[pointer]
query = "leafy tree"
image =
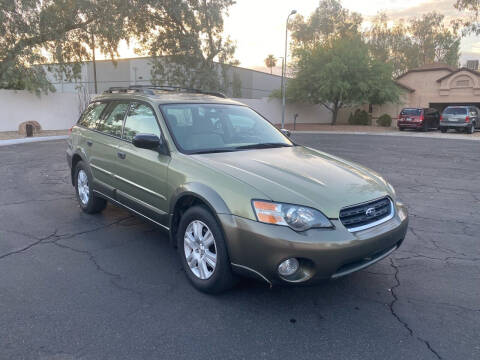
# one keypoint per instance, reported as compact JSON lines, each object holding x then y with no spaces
{"x":65,"y":32}
{"x":184,"y":50}
{"x":341,"y":73}
{"x":57,"y":31}
{"x":329,"y":20}
{"x":470,"y":20}
{"x":270,"y":62}
{"x":415,"y":43}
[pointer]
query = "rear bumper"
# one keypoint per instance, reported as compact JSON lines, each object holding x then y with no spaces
{"x":258,"y":248}
{"x":454,"y":125}
{"x":410,"y":124}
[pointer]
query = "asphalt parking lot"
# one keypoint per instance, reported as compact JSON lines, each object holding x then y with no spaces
{"x":74,"y":286}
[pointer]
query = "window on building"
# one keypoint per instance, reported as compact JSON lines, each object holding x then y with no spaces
{"x":462,"y":83}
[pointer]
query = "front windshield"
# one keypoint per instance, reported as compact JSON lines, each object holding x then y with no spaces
{"x":203,"y":128}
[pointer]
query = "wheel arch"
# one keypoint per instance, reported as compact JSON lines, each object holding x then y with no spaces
{"x":76,"y":158}
{"x":192,"y":194}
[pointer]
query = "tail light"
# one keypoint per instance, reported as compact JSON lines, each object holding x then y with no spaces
{"x":467,"y":119}
{"x":421,"y":117}
{"x":70,"y":131}
{"x":441,"y":117}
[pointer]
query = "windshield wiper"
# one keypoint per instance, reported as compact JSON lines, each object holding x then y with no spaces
{"x":263,"y":146}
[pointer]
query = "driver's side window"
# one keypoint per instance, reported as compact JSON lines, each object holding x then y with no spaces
{"x":140,"y":120}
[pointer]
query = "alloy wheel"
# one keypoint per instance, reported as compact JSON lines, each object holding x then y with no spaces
{"x":200,"y":249}
{"x":83,"y":188}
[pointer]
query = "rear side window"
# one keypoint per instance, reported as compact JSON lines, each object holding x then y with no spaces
{"x":411,"y":112}
{"x":140,"y":120}
{"x":112,"y":124}
{"x":91,"y":115}
{"x":455,"y":111}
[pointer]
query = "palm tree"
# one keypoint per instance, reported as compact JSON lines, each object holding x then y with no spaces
{"x":270,"y":62}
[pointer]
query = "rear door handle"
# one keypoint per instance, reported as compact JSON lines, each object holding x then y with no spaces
{"x":89,"y":143}
{"x":121,"y":155}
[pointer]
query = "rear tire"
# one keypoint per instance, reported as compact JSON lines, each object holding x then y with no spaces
{"x":401,"y":128}
{"x":203,"y":251}
{"x":471,"y":128}
{"x":89,"y":202}
{"x":443,"y":129}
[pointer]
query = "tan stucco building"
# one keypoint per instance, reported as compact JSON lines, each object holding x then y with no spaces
{"x":435,"y":85}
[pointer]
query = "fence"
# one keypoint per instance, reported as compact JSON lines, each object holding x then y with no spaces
{"x":59,"y":111}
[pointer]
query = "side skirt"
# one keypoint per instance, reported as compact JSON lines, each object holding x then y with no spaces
{"x":115,"y":202}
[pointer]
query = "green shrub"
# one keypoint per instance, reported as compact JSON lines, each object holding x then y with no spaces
{"x":360,"y":117}
{"x":384,"y":120}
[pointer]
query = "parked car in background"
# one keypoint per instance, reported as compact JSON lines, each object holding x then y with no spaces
{"x":422,"y":119}
{"x":460,"y":118}
{"x":236,"y":195}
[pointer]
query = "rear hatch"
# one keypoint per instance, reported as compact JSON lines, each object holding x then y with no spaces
{"x":454,"y":115}
{"x":410,"y":116}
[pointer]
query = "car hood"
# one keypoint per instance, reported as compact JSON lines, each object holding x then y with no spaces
{"x":299,"y":175}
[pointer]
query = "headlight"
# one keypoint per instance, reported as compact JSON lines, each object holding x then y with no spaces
{"x":392,"y":190}
{"x":299,"y":218}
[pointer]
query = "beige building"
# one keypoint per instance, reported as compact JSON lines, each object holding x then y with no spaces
{"x":435,"y":85}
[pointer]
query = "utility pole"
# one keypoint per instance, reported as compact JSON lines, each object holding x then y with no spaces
{"x":284,"y":69}
{"x":92,"y":46}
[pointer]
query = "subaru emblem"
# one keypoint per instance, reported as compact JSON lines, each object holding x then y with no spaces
{"x":370,"y":212}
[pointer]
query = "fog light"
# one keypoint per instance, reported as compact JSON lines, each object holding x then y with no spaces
{"x":288,"y":267}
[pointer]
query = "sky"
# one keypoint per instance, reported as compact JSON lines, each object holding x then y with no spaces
{"x":258,"y":26}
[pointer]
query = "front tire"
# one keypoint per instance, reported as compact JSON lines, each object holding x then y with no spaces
{"x":443,"y":129}
{"x":471,"y":129}
{"x":203,"y":251}
{"x":89,"y":202}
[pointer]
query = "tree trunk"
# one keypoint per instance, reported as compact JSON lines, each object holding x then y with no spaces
{"x":334,"y":115}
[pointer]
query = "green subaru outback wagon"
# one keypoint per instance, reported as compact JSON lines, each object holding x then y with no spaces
{"x":236,"y":195}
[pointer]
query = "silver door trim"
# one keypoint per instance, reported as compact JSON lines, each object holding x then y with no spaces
{"x":139,"y":186}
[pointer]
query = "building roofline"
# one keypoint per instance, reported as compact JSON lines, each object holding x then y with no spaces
{"x":408,"y":88}
{"x":476,"y":73}
{"x":149,"y":57}
{"x":425,"y":69}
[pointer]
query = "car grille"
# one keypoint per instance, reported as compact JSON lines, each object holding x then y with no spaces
{"x":363,"y":216}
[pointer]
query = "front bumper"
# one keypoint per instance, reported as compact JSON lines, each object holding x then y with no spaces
{"x":256,"y":248}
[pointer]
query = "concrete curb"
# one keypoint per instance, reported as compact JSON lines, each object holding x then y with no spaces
{"x":32,"y":139}
{"x":450,"y":136}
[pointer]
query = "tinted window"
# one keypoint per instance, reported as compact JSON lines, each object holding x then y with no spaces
{"x":215,"y":127}
{"x":113,"y":123}
{"x":411,"y":112}
{"x":455,"y":111}
{"x":91,"y":115}
{"x":140,"y":120}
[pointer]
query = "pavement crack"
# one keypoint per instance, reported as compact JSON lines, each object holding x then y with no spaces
{"x":114,"y":277}
{"x":397,"y":316}
{"x":28,"y":247}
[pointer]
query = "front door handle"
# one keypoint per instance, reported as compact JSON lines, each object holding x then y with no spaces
{"x":89,"y":143}
{"x":121,"y":155}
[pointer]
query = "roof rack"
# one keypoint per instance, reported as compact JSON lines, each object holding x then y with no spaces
{"x":152,"y":90}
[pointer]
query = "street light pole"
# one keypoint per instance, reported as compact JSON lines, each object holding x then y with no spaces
{"x":284,"y":69}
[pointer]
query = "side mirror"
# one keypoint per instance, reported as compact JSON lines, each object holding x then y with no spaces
{"x":146,"y":141}
{"x":286,"y":132}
